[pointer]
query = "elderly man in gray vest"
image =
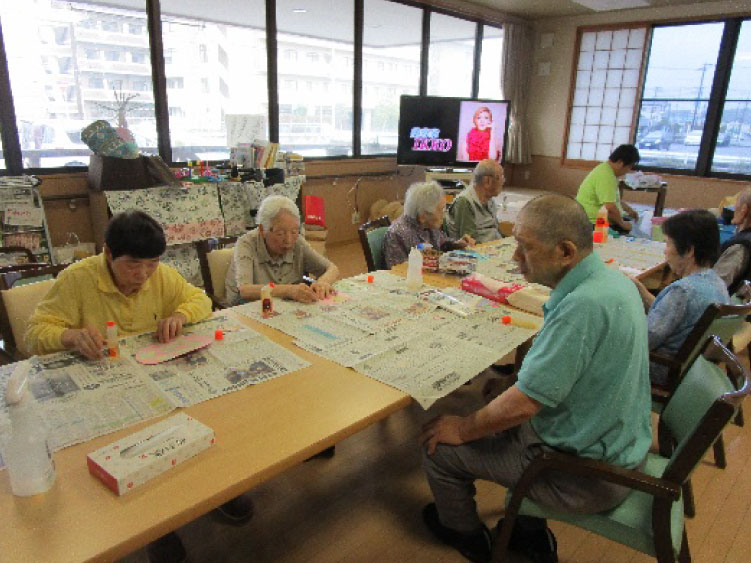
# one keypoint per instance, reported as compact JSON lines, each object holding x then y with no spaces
{"x":474,"y":212}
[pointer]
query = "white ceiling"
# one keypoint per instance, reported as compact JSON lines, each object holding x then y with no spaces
{"x":538,"y":9}
{"x":333,"y":19}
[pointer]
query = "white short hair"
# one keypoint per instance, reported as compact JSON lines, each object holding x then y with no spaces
{"x":272,"y":206}
{"x":422,"y":197}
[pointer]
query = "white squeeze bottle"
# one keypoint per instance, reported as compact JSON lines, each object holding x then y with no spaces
{"x":414,"y":270}
{"x":27,"y":454}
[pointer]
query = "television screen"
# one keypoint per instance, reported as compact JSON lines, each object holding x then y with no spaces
{"x":436,"y":131}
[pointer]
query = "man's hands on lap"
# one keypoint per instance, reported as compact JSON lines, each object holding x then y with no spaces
{"x":446,"y":429}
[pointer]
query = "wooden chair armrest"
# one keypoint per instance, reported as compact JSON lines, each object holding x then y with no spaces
{"x":663,"y":360}
{"x":595,"y":469}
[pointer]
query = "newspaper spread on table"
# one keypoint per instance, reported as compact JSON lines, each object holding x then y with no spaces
{"x":423,"y":345}
{"x":632,"y":255}
{"x":82,"y":399}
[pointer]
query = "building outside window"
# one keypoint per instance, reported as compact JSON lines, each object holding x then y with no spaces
{"x":391,"y":37}
{"x":53,"y":102}
{"x":452,"y":46}
{"x":316,"y":124}
{"x":490,"y":63}
{"x":238,"y":73}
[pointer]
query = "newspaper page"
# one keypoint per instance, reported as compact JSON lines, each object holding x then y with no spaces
{"x":355,"y":351}
{"x":632,"y":255}
{"x":428,"y":368}
{"x":244,"y":358}
{"x":82,"y":399}
{"x":499,"y":264}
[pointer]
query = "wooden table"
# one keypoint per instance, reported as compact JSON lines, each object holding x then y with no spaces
{"x":261,"y":431}
{"x":661,"y":191}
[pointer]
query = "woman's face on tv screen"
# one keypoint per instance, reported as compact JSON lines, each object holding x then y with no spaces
{"x":483,"y":120}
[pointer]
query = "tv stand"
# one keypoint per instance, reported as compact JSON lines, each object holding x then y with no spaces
{"x":450,"y":178}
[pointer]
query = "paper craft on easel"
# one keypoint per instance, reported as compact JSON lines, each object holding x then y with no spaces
{"x":163,"y":352}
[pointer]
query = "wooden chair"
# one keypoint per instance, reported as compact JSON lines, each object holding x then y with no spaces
{"x":371,"y":238}
{"x":20,"y":293}
{"x":22,"y":266}
{"x":27,"y":254}
{"x":650,"y":519}
{"x":214,"y":257}
{"x":722,"y":321}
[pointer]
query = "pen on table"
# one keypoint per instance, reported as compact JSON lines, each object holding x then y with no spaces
{"x":145,"y":444}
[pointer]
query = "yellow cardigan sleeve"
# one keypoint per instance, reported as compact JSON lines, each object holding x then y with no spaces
{"x":186,"y":298}
{"x":57,"y":312}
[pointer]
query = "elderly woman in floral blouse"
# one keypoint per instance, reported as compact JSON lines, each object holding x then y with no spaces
{"x":424,"y":207}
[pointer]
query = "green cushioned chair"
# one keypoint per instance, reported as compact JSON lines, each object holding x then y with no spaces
{"x":723,"y":321}
{"x":650,"y":519}
{"x":371,"y":238}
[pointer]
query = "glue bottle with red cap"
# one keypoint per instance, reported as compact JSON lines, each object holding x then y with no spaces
{"x":601,"y":226}
{"x":267,"y":303}
{"x":113,"y":342}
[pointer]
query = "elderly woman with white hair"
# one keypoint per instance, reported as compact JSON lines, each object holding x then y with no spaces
{"x":424,"y":207}
{"x":275,"y":252}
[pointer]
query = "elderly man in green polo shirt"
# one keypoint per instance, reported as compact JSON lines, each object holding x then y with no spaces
{"x":474,"y":212}
{"x":583,"y":388}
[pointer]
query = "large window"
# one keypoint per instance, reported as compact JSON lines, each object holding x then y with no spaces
{"x":73,"y":62}
{"x":490,"y":63}
{"x":316,"y":73}
{"x":452,"y":51}
{"x":67,"y":66}
{"x":214,"y":70}
{"x":676,"y":92}
{"x":391,"y":67}
{"x":733,"y":149}
{"x":688,"y":113}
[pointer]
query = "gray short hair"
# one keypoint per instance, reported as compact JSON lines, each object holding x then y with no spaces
{"x":484,"y":168}
{"x":555,"y":218}
{"x":272,"y":206}
{"x":422,"y":197}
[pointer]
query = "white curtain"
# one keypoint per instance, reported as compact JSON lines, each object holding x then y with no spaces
{"x":516,"y":68}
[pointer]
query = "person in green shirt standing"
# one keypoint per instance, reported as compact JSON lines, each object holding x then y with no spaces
{"x":600,"y":187}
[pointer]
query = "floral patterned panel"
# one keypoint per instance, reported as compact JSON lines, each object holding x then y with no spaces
{"x":235,"y":208}
{"x":254,"y":192}
{"x":184,"y":259}
{"x":32,"y":241}
{"x":186,"y":214}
